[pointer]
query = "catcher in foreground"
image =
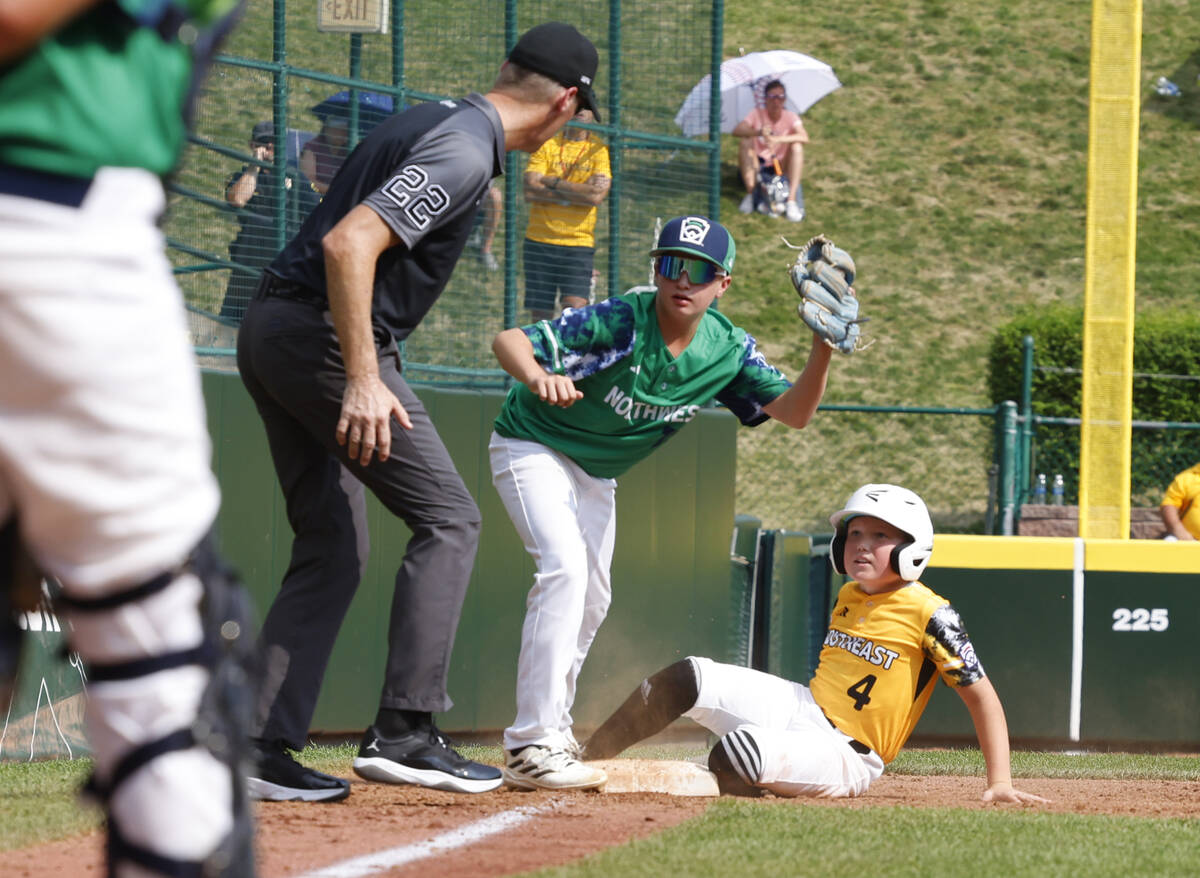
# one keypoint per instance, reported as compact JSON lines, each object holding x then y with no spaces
{"x":823,"y":275}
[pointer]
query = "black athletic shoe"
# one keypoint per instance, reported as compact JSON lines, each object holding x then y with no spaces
{"x":277,"y":777}
{"x":423,"y":757}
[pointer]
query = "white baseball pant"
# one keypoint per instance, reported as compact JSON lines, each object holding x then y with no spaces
{"x":795,"y":750}
{"x":567,"y":520}
{"x":104,"y":457}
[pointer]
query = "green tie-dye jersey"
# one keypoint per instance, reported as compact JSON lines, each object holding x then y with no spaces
{"x":636,"y":395}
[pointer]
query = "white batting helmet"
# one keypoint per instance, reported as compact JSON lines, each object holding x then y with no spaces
{"x":900,"y":508}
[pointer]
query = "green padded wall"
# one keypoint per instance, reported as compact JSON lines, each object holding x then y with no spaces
{"x":671,"y":574}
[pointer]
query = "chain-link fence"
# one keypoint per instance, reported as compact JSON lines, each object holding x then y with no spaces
{"x":318,"y":93}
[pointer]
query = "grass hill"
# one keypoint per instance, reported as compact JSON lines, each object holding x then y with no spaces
{"x":953,"y":166}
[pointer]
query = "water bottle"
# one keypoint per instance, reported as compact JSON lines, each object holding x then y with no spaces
{"x":1039,"y":489}
{"x":1166,"y":88}
{"x":1058,"y":489}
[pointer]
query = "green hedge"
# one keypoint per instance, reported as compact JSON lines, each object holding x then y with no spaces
{"x":1166,"y":387}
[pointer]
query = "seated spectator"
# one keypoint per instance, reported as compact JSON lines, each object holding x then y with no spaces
{"x":769,"y":135}
{"x":1180,"y":511}
{"x":323,"y":155}
{"x":254,"y":193}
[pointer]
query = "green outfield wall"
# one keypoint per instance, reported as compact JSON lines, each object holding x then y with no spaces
{"x":671,"y":580}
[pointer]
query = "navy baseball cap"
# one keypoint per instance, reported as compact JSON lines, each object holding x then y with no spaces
{"x":561,"y":52}
{"x":698,"y":236}
{"x":264,"y":132}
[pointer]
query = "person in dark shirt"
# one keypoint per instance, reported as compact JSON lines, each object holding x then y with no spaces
{"x":254,"y":193}
{"x":318,"y":353}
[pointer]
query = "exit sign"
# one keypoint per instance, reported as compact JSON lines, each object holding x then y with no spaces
{"x":352,"y":16}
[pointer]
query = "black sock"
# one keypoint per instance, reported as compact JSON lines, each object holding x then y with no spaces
{"x":392,"y":722}
{"x":651,"y":707}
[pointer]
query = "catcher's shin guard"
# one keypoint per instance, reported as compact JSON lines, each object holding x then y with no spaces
{"x":170,"y":673}
{"x":737,"y":763}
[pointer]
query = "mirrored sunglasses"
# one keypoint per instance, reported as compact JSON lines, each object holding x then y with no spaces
{"x":699,"y":271}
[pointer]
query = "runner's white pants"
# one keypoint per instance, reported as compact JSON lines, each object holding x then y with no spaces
{"x":799,"y":752}
{"x":567,"y":520}
{"x":104,"y":457}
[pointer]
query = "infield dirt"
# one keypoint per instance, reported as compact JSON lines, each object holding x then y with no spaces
{"x":296,"y":838}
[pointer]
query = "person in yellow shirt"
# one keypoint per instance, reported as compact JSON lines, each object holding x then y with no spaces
{"x":889,"y":639}
{"x":1179,"y":510}
{"x":565,"y":182}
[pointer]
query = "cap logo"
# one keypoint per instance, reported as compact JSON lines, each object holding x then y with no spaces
{"x":586,"y":80}
{"x":693,"y":230}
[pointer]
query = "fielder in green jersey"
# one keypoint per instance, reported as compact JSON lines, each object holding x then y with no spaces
{"x":601,"y":388}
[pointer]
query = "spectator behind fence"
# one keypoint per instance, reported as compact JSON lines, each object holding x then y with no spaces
{"x":1180,"y":511}
{"x":565,"y":181}
{"x":323,"y":155}
{"x":771,"y":135}
{"x":254,"y":193}
{"x":483,"y":235}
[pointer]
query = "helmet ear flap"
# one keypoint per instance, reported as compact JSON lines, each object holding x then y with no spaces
{"x":899,"y":557}
{"x":837,"y":548}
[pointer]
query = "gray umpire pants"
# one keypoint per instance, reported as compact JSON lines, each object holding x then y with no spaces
{"x":290,"y":362}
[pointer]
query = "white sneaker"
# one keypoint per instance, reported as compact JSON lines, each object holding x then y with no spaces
{"x":490,"y":262}
{"x":747,"y":205}
{"x":794,"y":212}
{"x":549,"y":768}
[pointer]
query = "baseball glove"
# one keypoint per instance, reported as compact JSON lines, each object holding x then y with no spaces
{"x":823,"y":275}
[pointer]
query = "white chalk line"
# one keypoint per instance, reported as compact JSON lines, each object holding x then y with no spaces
{"x":381,"y":861}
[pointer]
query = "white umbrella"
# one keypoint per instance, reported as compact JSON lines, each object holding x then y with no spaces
{"x":743,"y":80}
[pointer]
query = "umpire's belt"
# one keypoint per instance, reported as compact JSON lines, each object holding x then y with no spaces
{"x":44,"y":186}
{"x":272,"y":287}
{"x":856,"y":746}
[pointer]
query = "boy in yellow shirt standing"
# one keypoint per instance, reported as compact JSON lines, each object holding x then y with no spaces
{"x":889,"y":638}
{"x":566,"y":180}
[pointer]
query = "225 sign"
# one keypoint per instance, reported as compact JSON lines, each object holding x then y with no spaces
{"x":1140,"y":619}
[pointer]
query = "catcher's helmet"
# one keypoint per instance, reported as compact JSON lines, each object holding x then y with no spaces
{"x":900,"y":508}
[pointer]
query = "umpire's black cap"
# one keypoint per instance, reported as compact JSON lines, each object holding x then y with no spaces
{"x":561,"y":52}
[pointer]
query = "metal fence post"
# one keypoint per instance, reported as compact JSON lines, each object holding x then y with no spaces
{"x":1025,"y":449}
{"x":1008,"y":443}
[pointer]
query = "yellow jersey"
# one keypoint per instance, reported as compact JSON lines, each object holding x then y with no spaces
{"x":1183,"y":493}
{"x":575,"y":161}
{"x":880,"y":660}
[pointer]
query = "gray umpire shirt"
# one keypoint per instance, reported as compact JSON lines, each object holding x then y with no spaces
{"x":425,"y":172}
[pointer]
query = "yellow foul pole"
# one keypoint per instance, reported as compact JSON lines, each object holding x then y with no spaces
{"x":1114,"y":110}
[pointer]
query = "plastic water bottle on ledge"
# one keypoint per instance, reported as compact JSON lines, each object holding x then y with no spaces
{"x":1058,"y":489}
{"x":1039,"y":489}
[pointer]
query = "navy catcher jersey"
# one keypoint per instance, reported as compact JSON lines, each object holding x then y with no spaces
{"x":424,"y":172}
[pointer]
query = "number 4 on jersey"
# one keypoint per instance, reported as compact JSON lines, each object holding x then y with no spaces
{"x":861,"y":691}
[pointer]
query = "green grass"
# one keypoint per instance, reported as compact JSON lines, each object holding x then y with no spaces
{"x":787,"y":838}
{"x":39,"y":803}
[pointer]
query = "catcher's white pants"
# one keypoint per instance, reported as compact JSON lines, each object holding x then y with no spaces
{"x":104,"y":457}
{"x":567,"y":520}
{"x":799,"y":752}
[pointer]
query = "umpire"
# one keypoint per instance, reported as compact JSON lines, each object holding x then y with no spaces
{"x":318,"y":354}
